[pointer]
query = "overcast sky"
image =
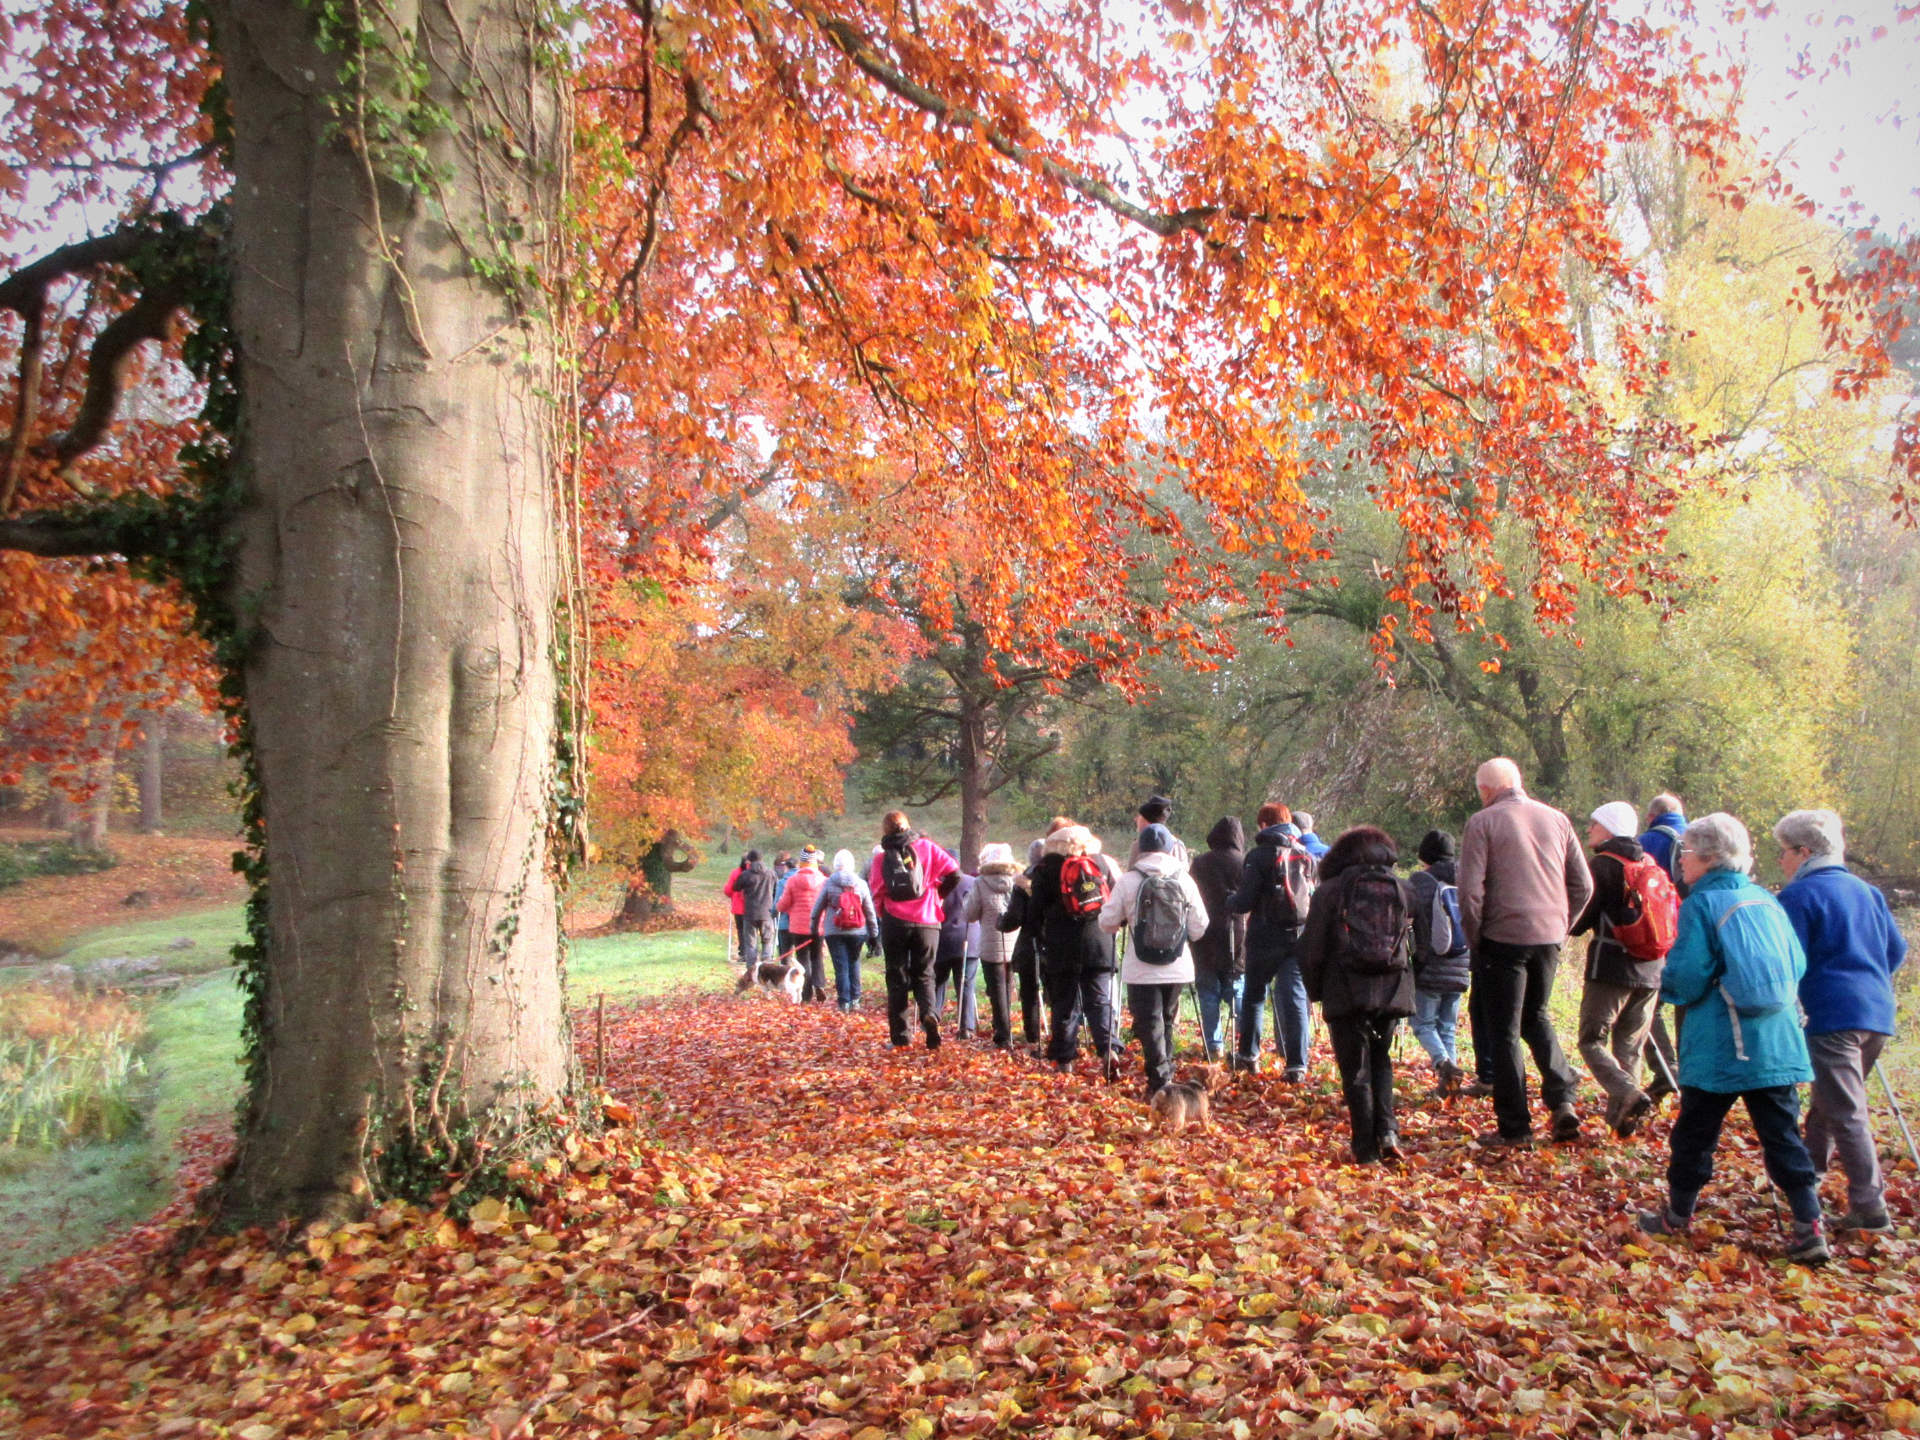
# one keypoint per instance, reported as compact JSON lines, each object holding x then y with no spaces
{"x":1835,"y":84}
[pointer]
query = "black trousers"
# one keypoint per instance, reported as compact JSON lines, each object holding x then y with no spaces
{"x":1155,"y":1010}
{"x":812,"y":953}
{"x":1000,"y":1001}
{"x":1363,"y":1049}
{"x":1026,"y":966}
{"x":1775,"y":1112}
{"x":909,"y":951}
{"x":1075,"y":995}
{"x":1514,"y":983}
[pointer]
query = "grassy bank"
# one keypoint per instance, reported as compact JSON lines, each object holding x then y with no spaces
{"x":55,"y":1202}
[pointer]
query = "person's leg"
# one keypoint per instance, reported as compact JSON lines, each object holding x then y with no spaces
{"x":945,"y":969}
{"x":843,"y":948}
{"x":1484,"y":1044}
{"x":1426,"y":1025}
{"x":1261,"y":968}
{"x":1000,"y":1002}
{"x":1386,"y":1133}
{"x":1348,"y":1037}
{"x":1146,"y":1005}
{"x":1026,"y":966}
{"x":1446,"y":1024}
{"x":1696,"y":1134}
{"x":1291,"y":1012}
{"x":1838,"y":1123}
{"x":1500,"y":982}
{"x":1063,"y":1003}
{"x":1775,"y":1112}
{"x":1557,"y":1082}
{"x":1096,"y":1003}
{"x":816,"y":968}
{"x":1601,"y":1006}
{"x":895,"y":939}
{"x":1209,"y":989}
{"x":923,"y":946}
{"x":1661,"y":1058}
{"x":1630,"y":1029}
{"x":969,"y":995}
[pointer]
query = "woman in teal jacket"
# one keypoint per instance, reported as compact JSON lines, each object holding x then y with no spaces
{"x":1732,"y":973}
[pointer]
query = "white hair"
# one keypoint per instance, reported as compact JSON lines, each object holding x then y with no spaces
{"x":1497,"y":774}
{"x":1720,"y":842}
{"x":1303,"y":820}
{"x":1815,"y":831}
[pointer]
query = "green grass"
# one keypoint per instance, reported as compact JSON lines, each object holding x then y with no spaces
{"x":55,"y":1203}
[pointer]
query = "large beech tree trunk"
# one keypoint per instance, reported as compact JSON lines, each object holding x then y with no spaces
{"x":398,"y":560}
{"x":153,"y":771}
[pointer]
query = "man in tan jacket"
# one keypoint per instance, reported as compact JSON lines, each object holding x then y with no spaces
{"x":1523,"y":877}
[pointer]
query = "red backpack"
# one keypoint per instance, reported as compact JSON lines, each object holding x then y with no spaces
{"x":1652,"y":910}
{"x":1083,"y":886}
{"x":849,"y":910}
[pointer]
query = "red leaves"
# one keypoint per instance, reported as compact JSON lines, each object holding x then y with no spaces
{"x":808,"y":1230}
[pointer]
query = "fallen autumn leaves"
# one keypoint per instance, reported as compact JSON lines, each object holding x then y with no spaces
{"x":803,"y":1234}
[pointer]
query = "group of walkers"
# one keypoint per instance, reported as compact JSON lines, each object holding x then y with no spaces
{"x":1670,"y":910}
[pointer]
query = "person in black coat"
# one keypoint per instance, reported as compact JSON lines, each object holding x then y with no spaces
{"x":1440,"y":972}
{"x":1076,"y":959}
{"x":1273,"y":943}
{"x":1220,"y":955}
{"x":1022,"y":917}
{"x":1357,"y":961}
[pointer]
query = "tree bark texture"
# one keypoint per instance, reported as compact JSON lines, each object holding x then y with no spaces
{"x":153,"y":772}
{"x":650,"y":891}
{"x":975,"y":757}
{"x":398,"y":562}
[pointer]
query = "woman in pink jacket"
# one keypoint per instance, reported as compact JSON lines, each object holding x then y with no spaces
{"x":796,"y":903}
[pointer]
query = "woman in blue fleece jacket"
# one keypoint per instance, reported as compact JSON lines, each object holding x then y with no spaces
{"x":1724,"y":1056}
{"x":1853,"y":947}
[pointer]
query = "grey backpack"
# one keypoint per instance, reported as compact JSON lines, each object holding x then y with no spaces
{"x":1160,"y":919}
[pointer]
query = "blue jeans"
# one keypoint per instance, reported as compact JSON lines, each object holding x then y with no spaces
{"x":1219,"y":998}
{"x":1435,"y":1018}
{"x":964,"y":974}
{"x":1277,"y":966}
{"x":845,"y":950}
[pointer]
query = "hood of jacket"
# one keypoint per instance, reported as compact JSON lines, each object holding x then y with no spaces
{"x":1072,"y":840}
{"x":1447,"y":872}
{"x":1158,"y":862}
{"x":1621,"y":847}
{"x":1227,"y":834}
{"x":997,"y":881}
{"x":1274,"y":834}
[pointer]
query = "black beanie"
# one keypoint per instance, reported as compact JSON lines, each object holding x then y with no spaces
{"x":1435,"y":845}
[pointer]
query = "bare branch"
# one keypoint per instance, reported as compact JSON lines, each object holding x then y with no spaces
{"x":60,"y":536}
{"x":855,"y":45}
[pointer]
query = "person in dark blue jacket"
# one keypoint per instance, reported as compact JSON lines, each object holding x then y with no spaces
{"x":1853,"y":947}
{"x":1730,"y":926}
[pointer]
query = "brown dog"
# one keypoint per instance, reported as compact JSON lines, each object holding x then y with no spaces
{"x":1183,"y":1103}
{"x":786,"y":977}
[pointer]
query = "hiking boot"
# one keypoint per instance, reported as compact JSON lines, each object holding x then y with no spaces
{"x":1390,"y":1150}
{"x":1246,"y":1063}
{"x":1659,"y":1089}
{"x":1662,"y":1221}
{"x":1566,"y":1125}
{"x":1806,"y":1245}
{"x":1864,"y":1222}
{"x":1632,"y":1114}
{"x":1293,"y":1076}
{"x":1449,"y":1075}
{"x":1477,"y":1089}
{"x":1494,"y":1140}
{"x":1110,"y":1067}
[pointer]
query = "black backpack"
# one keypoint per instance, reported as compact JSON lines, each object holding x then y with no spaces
{"x":1159,"y":919}
{"x":1374,"y":932}
{"x":900,"y":870}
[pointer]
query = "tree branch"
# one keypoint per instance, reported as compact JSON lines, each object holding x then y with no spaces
{"x":857,"y":47}
{"x":62,"y":536}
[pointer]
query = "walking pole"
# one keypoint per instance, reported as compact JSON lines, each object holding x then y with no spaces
{"x":1200,"y":1019}
{"x":1894,"y":1105}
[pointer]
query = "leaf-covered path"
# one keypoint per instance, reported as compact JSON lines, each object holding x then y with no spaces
{"x":803,"y":1233}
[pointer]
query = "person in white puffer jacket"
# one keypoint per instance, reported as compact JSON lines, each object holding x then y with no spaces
{"x":1159,"y":901}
